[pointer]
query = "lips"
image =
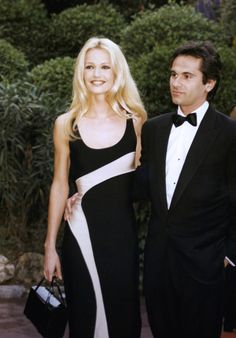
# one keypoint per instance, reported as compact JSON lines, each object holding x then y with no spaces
{"x":176,"y":93}
{"x":97,"y":82}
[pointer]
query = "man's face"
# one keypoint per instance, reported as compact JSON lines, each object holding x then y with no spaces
{"x":186,"y":83}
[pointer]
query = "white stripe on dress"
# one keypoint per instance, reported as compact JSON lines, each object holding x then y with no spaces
{"x":79,"y":228}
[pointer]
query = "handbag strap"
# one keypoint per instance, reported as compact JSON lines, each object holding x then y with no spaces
{"x":39,"y":283}
{"x":54,"y":283}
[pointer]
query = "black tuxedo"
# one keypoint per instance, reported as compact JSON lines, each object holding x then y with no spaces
{"x":187,"y":243}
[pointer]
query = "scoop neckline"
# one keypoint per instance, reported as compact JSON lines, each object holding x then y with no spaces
{"x":109,"y":147}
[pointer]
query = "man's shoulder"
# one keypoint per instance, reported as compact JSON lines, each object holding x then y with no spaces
{"x":162,"y":118}
{"x":226,"y":124}
{"x":225,"y":119}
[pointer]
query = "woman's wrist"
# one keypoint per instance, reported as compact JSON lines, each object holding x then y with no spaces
{"x":49,"y":245}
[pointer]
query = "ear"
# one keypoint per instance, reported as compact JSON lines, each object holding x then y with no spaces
{"x":210,"y":85}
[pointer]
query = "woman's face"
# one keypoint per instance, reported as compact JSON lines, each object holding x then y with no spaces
{"x":98,"y":73}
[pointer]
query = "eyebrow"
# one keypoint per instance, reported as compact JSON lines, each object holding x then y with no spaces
{"x":184,"y":73}
{"x":103,"y":63}
{"x":188,"y":73}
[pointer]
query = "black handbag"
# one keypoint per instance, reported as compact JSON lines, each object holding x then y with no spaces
{"x":46,"y":309}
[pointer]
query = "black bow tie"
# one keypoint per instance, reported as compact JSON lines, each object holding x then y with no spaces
{"x":179,"y":119}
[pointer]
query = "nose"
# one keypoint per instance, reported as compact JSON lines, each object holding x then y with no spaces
{"x":175,"y":81}
{"x":97,"y":72}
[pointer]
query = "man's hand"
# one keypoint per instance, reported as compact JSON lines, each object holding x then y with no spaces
{"x":226,"y":262}
{"x":69,"y":206}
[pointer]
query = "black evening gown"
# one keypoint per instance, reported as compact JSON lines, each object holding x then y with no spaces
{"x":100,"y":248}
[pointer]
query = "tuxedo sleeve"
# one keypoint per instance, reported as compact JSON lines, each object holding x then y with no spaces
{"x":141,"y":172}
{"x":231,"y":172}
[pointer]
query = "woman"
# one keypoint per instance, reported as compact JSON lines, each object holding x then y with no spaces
{"x":96,"y":148}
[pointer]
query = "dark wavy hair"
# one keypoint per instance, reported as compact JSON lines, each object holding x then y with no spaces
{"x":211,"y":63}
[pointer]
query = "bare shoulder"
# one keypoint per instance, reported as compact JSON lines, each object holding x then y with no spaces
{"x":61,"y":120}
{"x":60,"y":127}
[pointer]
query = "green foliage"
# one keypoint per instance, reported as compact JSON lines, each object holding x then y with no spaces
{"x":225,"y":97}
{"x":228,"y":15}
{"x":71,"y":28}
{"x":168,"y":26}
{"x":55,"y":77}
{"x":12,"y":62}
{"x":26,"y":119}
{"x":24,"y":24}
{"x":151,"y":72}
{"x":155,"y":35}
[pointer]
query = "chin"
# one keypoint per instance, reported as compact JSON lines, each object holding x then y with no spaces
{"x":176,"y":101}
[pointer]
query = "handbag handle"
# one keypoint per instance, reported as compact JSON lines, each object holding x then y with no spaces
{"x":39,"y":283}
{"x":53,"y":284}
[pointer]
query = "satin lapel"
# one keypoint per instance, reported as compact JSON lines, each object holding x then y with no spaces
{"x":162,"y":137}
{"x":201,"y":144}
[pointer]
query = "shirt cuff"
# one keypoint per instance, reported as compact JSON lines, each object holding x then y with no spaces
{"x":230,"y":262}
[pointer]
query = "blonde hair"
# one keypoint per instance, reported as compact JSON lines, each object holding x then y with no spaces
{"x":123,"y":97}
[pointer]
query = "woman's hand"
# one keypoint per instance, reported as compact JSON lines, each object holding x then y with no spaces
{"x":52,"y":265}
{"x":69,"y":206}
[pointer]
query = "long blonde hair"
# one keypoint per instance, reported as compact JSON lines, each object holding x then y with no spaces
{"x":123,"y":97}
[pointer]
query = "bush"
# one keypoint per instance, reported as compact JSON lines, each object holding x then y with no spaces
{"x":169,"y":26}
{"x":12,"y":62}
{"x":226,"y":95}
{"x":155,"y":35}
{"x":26,"y":157}
{"x":151,"y":72}
{"x":228,"y":13}
{"x":55,"y":78}
{"x":72,"y":27}
{"x":24,"y":24}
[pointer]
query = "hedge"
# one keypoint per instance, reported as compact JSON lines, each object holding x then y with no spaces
{"x":24,"y":23}
{"x":71,"y":28}
{"x":55,"y":78}
{"x":13,"y":63}
{"x":168,"y":26}
{"x":26,"y":154}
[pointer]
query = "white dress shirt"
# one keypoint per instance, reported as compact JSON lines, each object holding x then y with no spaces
{"x":180,"y":140}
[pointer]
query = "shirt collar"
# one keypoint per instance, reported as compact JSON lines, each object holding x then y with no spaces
{"x":200,"y":111}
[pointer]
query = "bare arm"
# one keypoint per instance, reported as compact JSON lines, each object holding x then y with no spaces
{"x":57,"y":200}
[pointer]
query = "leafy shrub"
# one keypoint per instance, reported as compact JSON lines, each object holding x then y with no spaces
{"x":168,"y":26}
{"x":12,"y":62}
{"x":151,"y":72}
{"x":226,"y":95}
{"x":24,"y":23}
{"x":228,"y":14}
{"x":71,"y":28}
{"x":55,"y":78}
{"x":26,"y":119}
{"x":155,"y":35}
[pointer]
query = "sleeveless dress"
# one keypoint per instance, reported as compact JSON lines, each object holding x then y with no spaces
{"x":100,"y":247}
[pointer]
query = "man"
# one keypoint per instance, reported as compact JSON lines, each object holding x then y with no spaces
{"x":190,"y":170}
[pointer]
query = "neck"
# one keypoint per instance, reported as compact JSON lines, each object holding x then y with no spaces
{"x":190,"y":109}
{"x":99,"y":108}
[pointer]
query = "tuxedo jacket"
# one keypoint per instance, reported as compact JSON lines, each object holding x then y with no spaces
{"x":199,"y":228}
